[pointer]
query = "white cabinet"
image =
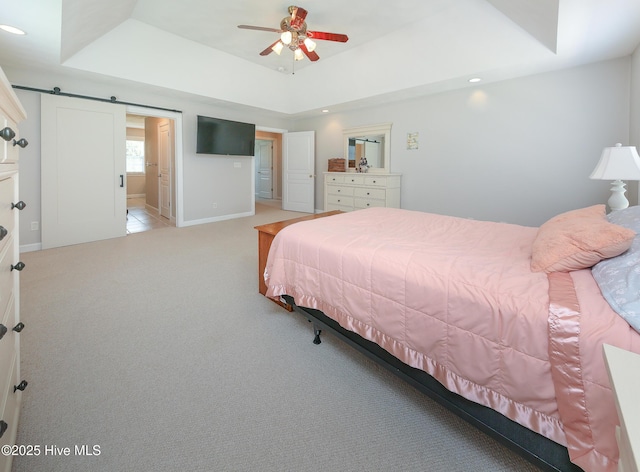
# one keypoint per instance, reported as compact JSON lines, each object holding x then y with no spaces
{"x":348,"y":191}
{"x":622,"y":367}
{"x":11,"y":113}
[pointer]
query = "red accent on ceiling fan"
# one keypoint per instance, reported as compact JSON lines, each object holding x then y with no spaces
{"x":269,"y":49}
{"x":342,"y":38}
{"x":297,"y":17}
{"x":312,"y":55}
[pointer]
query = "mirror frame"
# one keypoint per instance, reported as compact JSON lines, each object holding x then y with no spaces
{"x":377,"y":130}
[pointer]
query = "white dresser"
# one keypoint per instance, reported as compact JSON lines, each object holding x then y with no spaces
{"x":11,"y":386}
{"x":348,"y":191}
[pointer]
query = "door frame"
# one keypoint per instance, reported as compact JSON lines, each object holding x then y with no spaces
{"x":177,"y":143}
{"x":276,"y":168}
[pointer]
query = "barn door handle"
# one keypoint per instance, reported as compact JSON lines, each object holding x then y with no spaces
{"x":121,"y":180}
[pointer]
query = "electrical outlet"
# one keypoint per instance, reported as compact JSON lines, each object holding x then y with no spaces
{"x":35,"y":225}
{"x":215,"y":205}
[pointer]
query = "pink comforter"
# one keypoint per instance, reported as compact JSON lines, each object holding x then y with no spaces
{"x":457,"y":299}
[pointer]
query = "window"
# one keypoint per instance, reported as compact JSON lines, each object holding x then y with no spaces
{"x":135,"y":156}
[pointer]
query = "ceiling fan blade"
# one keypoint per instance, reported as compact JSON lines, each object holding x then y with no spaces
{"x":298,"y":15}
{"x":260,"y":28}
{"x":341,"y":38}
{"x":268,"y":51}
{"x":312,"y":55}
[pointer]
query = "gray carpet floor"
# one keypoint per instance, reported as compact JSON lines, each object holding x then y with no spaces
{"x":157,"y":349}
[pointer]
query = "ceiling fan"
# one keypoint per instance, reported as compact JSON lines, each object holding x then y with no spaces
{"x":294,"y":34}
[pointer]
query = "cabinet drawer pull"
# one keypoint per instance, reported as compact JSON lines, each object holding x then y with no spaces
{"x":19,"y":266}
{"x":20,"y":205}
{"x":7,"y":134}
{"x":3,"y":427}
{"x":3,"y":232}
{"x":23,"y":143}
{"x":21,"y":386}
{"x":19,"y":327}
{"x":3,"y":330}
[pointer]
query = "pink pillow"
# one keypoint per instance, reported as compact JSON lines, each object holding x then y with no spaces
{"x":578,"y":239}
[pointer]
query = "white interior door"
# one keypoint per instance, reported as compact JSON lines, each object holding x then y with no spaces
{"x":164,"y":165}
{"x":264,"y":158}
{"x":83,"y":170}
{"x":298,"y":169}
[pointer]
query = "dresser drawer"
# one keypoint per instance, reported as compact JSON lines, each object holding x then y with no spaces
{"x":337,"y":179}
{"x":341,"y":200}
{"x":8,"y":152}
{"x":368,"y":203}
{"x":380,"y":181}
{"x":8,"y":343}
{"x":366,"y":192}
{"x":6,"y":213}
{"x":354,"y":179}
{"x":6,"y":274}
{"x":10,"y":408}
{"x":340,"y":190}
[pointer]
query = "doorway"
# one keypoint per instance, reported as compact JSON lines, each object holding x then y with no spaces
{"x":151,"y":173}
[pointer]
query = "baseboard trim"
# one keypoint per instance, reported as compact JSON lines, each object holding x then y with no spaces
{"x":215,"y":219}
{"x":30,"y":247}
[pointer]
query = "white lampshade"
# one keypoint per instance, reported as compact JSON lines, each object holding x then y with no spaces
{"x":297,"y":54}
{"x":618,"y":163}
{"x":311,"y":45}
{"x":286,"y":37}
{"x":277,"y":48}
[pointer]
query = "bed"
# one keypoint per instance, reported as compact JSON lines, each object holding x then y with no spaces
{"x":502,"y":323}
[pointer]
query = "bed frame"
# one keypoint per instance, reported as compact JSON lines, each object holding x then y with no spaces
{"x":540,"y":451}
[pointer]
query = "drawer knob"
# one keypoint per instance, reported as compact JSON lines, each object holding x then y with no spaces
{"x":20,"y":205}
{"x":21,"y":386}
{"x":23,"y":143}
{"x":19,"y":327}
{"x":19,"y":266}
{"x":3,"y":330}
{"x":7,"y":134}
{"x":3,"y":232}
{"x":3,"y":427}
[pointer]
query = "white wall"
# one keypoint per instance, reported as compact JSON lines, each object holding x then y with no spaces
{"x":634,"y":117}
{"x":519,"y":151}
{"x":206,"y":179}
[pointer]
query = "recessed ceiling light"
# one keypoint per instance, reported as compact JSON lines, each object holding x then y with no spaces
{"x":11,"y":29}
{"x":475,"y":79}
{"x":325,"y":111}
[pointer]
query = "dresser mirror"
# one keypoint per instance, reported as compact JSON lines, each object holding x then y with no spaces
{"x":373,"y":143}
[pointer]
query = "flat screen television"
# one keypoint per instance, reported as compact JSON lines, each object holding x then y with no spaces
{"x":224,"y":137}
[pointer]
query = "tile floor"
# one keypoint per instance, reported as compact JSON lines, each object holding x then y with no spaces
{"x":142,"y":219}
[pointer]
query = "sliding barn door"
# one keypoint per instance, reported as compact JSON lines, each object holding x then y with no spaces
{"x":298,"y":169}
{"x":84,"y":193}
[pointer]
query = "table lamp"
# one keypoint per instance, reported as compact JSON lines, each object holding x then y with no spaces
{"x":617,"y":163}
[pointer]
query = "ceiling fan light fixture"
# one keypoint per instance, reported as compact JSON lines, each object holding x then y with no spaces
{"x":297,"y":54}
{"x":277,"y":48}
{"x":286,"y":37}
{"x":311,"y":45}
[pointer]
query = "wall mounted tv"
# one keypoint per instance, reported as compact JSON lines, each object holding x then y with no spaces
{"x":224,"y":137}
